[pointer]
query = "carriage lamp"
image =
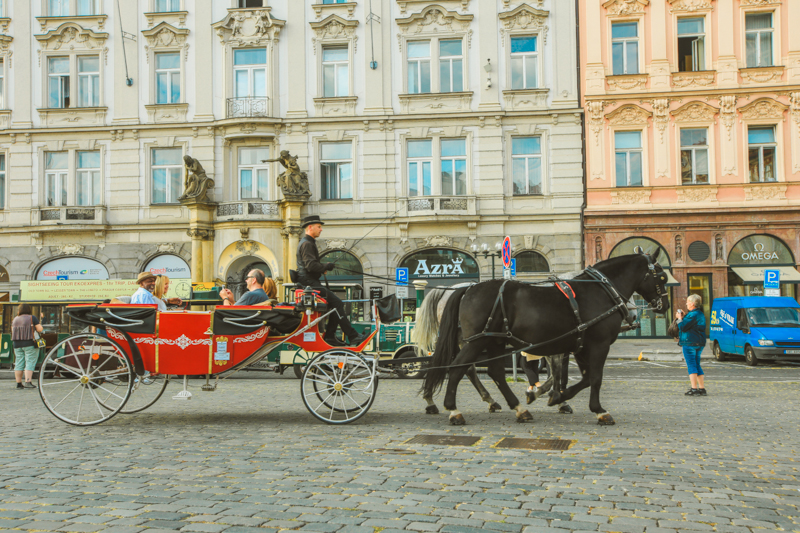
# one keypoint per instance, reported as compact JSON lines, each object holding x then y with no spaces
{"x":485,"y":251}
{"x":308,"y":300}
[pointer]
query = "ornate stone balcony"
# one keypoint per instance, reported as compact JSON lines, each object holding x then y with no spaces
{"x":92,"y":215}
{"x":250,"y":107}
{"x":440,"y":205}
{"x":248,"y":210}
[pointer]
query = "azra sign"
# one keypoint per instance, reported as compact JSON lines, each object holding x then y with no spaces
{"x":440,"y":270}
{"x":759,"y":254}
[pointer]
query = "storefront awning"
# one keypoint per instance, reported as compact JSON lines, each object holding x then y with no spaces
{"x":671,"y":282}
{"x":755,"y":275}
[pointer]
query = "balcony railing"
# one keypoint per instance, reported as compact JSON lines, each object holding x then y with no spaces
{"x":443,"y":205}
{"x":248,"y":210}
{"x":249,"y":107}
{"x":73,"y":215}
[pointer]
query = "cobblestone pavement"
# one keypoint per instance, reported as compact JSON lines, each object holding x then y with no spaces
{"x":248,"y":457}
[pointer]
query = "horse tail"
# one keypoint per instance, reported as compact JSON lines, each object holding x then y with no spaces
{"x":426,"y":323}
{"x":447,"y":345}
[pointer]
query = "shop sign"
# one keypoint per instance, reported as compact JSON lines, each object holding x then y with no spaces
{"x":72,"y":268}
{"x":92,"y":290}
{"x":438,"y":264}
{"x":759,"y":250}
{"x":171,"y":266}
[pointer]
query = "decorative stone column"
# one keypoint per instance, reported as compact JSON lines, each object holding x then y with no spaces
{"x":291,"y":232}
{"x":201,"y":219}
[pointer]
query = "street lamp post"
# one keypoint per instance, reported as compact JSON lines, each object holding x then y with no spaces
{"x":486,"y":252}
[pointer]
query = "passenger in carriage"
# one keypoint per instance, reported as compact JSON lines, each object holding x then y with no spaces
{"x":260,"y":289}
{"x":144,"y":295}
{"x":160,"y":291}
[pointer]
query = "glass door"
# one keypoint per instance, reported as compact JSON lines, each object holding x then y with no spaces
{"x":700,"y":284}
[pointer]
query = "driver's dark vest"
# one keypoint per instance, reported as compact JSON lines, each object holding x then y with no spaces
{"x":302,"y":272}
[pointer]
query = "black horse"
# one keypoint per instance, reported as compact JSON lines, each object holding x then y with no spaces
{"x":544,"y":317}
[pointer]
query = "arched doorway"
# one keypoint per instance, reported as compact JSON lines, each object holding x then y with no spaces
{"x":441,"y":267}
{"x":531,"y":263}
{"x":751,"y":256}
{"x":347,"y":281}
{"x":651,"y":324}
{"x":72,"y":268}
{"x":237,"y":272}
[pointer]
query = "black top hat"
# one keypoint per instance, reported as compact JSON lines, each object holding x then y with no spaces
{"x":311,"y":219}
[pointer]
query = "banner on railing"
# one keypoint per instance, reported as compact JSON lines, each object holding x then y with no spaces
{"x":92,"y":290}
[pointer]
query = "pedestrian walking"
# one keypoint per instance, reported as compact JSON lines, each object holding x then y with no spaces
{"x":26,"y":353}
{"x":692,"y":339}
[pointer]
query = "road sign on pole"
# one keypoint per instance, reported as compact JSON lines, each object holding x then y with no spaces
{"x":401,"y":276}
{"x":401,"y":291}
{"x":772,"y":282}
{"x":514,"y":268}
{"x":507,"y":252}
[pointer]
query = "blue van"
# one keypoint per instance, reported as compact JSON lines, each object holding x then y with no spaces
{"x":757,"y":327}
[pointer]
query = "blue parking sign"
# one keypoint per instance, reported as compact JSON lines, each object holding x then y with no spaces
{"x":772,"y":279}
{"x":514,"y":268}
{"x":401,"y":276}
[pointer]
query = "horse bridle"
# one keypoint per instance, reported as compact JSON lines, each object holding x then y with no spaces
{"x":660,"y":279}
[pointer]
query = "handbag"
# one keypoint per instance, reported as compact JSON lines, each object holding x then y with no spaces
{"x":673,"y":330}
{"x":37,"y":339}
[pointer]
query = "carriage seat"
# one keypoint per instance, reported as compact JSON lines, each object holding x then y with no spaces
{"x":242,"y":320}
{"x":124,"y":317}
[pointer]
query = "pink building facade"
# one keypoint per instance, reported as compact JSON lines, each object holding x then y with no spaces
{"x":693,"y":139}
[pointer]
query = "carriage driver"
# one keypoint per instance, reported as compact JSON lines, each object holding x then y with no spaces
{"x":309,"y":271}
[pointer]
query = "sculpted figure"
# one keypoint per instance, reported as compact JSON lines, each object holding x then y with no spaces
{"x":293,"y":181}
{"x":196,"y":183}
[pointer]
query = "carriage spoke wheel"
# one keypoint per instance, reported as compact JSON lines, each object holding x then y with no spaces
{"x":145,"y":391}
{"x":339,"y":386}
{"x":90,"y":366}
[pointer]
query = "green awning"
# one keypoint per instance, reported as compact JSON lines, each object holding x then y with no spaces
{"x":755,"y":275}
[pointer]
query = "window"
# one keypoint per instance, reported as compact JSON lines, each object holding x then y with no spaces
{"x":253,"y":174}
{"x":335,"y":1}
{"x":625,"y":48}
{"x":761,"y":145}
{"x":58,"y":82}
{"x":56,"y":171}
{"x":168,"y":78}
{"x":165,"y":6}
{"x":694,"y":156}
{"x":628,"y":147}
{"x":524,"y":63}
{"x":526,"y":165}
{"x":2,"y":84}
{"x":89,"y":187}
{"x":336,"y":164}
{"x":86,"y":7}
{"x":454,"y":166}
{"x":2,"y":181}
{"x":335,"y":71}
{"x":419,"y":67}
{"x":167,"y":166}
{"x":531,"y":262}
{"x":58,"y":8}
{"x":251,"y":3}
{"x":451,"y":70}
{"x":691,"y":44}
{"x":758,"y":39}
{"x":249,"y":72}
{"x":88,"y":81}
{"x":420,"y":159}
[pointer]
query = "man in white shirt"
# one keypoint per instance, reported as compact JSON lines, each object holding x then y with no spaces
{"x":147,"y":282}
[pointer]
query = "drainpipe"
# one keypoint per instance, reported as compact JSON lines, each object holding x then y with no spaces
{"x":583,"y":131}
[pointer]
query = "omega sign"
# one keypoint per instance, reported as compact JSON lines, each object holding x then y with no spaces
{"x":759,"y":254}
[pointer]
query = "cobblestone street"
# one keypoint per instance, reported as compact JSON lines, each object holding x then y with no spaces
{"x":249,"y":457}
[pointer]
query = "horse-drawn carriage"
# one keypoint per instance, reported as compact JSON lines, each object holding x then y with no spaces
{"x":127,"y":370}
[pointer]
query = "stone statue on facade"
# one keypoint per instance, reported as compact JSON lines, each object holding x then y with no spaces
{"x":293,"y":181}
{"x":678,"y":249}
{"x":196,"y":183}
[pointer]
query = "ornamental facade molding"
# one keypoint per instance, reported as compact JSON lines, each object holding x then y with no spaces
{"x":524,"y":18}
{"x":765,"y":192}
{"x":762,"y":75}
{"x":629,"y":115}
{"x":695,"y":112}
{"x":71,"y":37}
{"x":331,"y":244}
{"x":70,"y":249}
{"x":166,"y":37}
{"x":697,"y":194}
{"x":334,"y":28}
{"x":404,"y":4}
{"x":249,"y":27}
{"x":630,"y":197}
{"x":594,"y":112}
{"x":686,"y":80}
{"x":689,"y":6}
{"x":435,"y":19}
{"x":627,"y":82}
{"x":759,"y":3}
{"x":438,"y":240}
{"x":763,"y":108}
{"x":727,"y":111}
{"x":626,"y":7}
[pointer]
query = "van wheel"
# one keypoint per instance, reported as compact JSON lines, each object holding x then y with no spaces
{"x":409,"y":370}
{"x":719,"y":355}
{"x":750,"y":356}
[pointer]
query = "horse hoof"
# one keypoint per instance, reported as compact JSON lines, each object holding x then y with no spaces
{"x":458,"y":420}
{"x":431,"y":410}
{"x":530,"y":396}
{"x":495,"y":407}
{"x":565,"y":409}
{"x":524,"y":416}
{"x":605,"y":420}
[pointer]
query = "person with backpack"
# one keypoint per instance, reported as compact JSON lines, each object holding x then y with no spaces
{"x":26,"y":353}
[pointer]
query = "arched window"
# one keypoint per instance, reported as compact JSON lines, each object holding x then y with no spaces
{"x":348,"y":267}
{"x":72,"y":268}
{"x":759,"y":250}
{"x":628,"y":247}
{"x":531,"y":262}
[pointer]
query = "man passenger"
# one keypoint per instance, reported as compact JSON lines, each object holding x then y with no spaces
{"x":256,"y":280}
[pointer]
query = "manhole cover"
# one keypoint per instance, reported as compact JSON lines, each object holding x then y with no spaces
{"x":535,"y":444}
{"x":443,"y":440}
{"x":394,"y":451}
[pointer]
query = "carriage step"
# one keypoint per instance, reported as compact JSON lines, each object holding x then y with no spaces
{"x":184,"y":394}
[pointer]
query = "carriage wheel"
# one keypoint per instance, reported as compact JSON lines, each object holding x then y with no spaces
{"x":90,"y":365}
{"x":339,"y":386}
{"x":145,"y":391}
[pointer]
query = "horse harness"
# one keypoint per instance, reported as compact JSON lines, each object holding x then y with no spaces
{"x":566,"y":289}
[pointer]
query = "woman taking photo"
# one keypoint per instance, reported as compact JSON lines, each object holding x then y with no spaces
{"x":26,"y":353}
{"x":692,"y":328}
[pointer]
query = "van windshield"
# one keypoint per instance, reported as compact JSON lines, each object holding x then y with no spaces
{"x":774,"y":317}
